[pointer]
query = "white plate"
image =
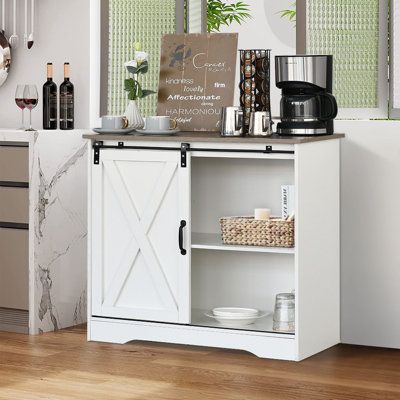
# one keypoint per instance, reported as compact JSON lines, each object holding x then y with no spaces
{"x":235,"y":312}
{"x":236,"y":322}
{"x":113,"y":131}
{"x":168,"y":132}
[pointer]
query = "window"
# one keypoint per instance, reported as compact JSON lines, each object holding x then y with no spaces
{"x":143,"y":21}
{"x":124,"y":22}
{"x":355,"y":32}
{"x":349,"y":31}
{"x":395,"y":60}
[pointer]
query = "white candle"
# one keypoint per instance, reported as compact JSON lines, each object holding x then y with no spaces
{"x":262,"y":213}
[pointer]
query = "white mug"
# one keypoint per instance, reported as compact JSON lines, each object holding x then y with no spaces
{"x":114,"y":122}
{"x":159,"y":123}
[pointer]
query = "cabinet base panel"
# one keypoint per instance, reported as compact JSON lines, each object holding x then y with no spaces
{"x":259,"y":344}
{"x":12,"y":320}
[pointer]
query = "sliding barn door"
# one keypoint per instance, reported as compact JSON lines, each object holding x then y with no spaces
{"x":140,"y":204}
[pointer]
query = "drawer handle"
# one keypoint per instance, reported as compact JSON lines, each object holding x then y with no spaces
{"x":180,"y":239}
{"x":12,"y":184}
{"x":13,"y":225}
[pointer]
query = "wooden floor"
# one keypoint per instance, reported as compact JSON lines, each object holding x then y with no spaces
{"x":63,"y":365}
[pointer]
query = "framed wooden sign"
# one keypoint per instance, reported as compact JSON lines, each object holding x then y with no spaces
{"x":197,"y":76}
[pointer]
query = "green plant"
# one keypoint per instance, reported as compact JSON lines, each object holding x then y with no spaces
{"x":290,"y":14}
{"x":220,"y":13}
{"x":139,"y":65}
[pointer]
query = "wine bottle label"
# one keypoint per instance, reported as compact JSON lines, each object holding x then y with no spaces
{"x":66,"y":107}
{"x":53,"y":107}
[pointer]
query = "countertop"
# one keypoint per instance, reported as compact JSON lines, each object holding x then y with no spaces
{"x":213,"y":137}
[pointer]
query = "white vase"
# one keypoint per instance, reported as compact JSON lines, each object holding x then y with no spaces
{"x":132,"y":113}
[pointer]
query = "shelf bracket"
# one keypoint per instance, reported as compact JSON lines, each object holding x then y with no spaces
{"x":96,"y":147}
{"x":185,"y":147}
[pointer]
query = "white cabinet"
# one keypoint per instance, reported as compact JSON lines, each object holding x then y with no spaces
{"x":140,"y":210}
{"x":157,"y":262}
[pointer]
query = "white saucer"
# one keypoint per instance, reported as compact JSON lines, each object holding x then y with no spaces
{"x":235,"y":312}
{"x":236,"y":321}
{"x":167,"y":132}
{"x":113,"y":131}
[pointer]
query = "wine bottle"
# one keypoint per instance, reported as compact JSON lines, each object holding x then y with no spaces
{"x":49,"y":100}
{"x":66,"y":101}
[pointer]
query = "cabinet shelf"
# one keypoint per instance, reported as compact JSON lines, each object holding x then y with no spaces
{"x":263,"y":325}
{"x":213,"y":241}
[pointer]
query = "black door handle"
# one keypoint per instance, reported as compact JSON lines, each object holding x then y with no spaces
{"x":183,"y":251}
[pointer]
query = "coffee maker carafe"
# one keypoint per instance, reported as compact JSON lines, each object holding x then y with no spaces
{"x":307,"y":105}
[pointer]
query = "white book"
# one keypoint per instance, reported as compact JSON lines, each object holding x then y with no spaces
{"x":287,"y":200}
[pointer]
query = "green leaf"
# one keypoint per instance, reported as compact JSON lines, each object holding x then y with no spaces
{"x":129,"y":84}
{"x":132,"y":70}
{"x":143,"y":68}
{"x":139,"y":91}
{"x":223,"y":12}
{"x":290,"y":14}
{"x":132,"y":96}
{"x":146,"y":92}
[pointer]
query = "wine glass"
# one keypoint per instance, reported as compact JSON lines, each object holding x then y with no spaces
{"x":31,"y":98}
{"x":19,"y":100}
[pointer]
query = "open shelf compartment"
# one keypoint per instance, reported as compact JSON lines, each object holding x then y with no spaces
{"x":239,"y":279}
{"x":233,"y":275}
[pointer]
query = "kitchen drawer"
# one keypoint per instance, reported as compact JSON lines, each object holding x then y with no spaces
{"x":14,"y":268}
{"x":14,"y":163}
{"x":14,"y":205}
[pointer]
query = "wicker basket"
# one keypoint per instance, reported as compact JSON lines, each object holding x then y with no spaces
{"x":248,"y":231}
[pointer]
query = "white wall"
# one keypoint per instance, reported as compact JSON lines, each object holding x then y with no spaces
{"x":370,"y":232}
{"x":62,"y":34}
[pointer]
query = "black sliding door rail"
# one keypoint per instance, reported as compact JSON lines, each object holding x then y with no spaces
{"x":184,"y":148}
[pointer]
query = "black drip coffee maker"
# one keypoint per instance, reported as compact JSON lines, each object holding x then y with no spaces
{"x":307,"y":105}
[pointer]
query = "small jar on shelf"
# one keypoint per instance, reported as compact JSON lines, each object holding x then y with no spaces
{"x":284,"y":314}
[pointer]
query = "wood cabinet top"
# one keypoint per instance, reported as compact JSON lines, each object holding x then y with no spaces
{"x":214,"y":137}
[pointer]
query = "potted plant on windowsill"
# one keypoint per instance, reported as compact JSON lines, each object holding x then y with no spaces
{"x":138,"y":66}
